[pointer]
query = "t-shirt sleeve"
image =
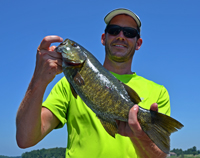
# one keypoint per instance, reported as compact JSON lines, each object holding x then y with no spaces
{"x":58,"y":100}
{"x":164,"y":101}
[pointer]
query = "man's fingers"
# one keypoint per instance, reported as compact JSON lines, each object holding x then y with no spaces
{"x":59,"y":62}
{"x":133,"y":114}
{"x":46,"y":42}
{"x":154,"y":107}
{"x":52,"y":48}
{"x":133,"y":121}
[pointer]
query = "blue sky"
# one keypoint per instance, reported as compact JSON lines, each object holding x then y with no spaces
{"x":169,"y":55}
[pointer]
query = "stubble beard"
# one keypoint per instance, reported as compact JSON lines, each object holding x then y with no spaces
{"x":123,"y":58}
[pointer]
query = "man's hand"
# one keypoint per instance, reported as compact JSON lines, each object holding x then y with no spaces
{"x":48,"y":62}
{"x":133,"y":128}
{"x":142,"y":143}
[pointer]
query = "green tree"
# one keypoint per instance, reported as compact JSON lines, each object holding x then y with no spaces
{"x":194,"y":151}
{"x":177,"y":151}
{"x":45,"y":153}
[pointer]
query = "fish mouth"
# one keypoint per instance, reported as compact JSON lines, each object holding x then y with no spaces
{"x":72,"y":63}
{"x":57,"y":50}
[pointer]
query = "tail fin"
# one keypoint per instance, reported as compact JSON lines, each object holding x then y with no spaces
{"x":159,"y":127}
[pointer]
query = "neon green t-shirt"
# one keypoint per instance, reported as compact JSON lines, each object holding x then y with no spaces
{"x":86,"y":135}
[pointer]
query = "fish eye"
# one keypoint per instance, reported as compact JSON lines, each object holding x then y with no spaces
{"x":74,"y":45}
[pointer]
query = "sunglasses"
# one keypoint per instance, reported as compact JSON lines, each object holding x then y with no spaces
{"x":128,"y":32}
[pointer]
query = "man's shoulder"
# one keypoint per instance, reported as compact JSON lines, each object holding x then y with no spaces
{"x":137,"y":79}
{"x":140,"y":83}
{"x":61,"y":86}
{"x":62,"y":81}
{"x":149,"y":81}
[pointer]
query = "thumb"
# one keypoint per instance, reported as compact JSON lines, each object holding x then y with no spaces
{"x":133,"y":121}
{"x":154,"y":107}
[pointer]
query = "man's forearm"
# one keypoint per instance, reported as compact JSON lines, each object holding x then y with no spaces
{"x":28,"y":120}
{"x":147,"y":149}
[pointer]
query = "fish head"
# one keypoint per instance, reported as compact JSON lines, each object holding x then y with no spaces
{"x":72,"y":53}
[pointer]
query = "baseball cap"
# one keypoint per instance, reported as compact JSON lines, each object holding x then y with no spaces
{"x":115,"y":12}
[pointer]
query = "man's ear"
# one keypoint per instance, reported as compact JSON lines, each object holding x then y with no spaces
{"x":103,"y":38}
{"x":139,"y":43}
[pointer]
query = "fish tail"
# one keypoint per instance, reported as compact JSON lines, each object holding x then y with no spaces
{"x":159,"y":127}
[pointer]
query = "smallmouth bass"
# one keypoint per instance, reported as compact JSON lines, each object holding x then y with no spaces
{"x":109,"y":98}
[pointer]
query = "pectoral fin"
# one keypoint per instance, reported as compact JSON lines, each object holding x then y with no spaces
{"x":110,"y":127}
{"x":133,"y":95}
{"x":78,"y":79}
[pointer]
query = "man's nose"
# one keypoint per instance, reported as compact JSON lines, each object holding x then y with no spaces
{"x":121,"y":36}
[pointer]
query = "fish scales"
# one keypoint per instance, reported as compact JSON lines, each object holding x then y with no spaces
{"x":110,"y":99}
{"x":96,"y":94}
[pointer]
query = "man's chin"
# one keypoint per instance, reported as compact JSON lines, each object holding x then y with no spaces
{"x":118,"y":58}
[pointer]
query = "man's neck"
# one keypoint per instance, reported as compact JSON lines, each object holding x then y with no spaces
{"x":118,"y":68}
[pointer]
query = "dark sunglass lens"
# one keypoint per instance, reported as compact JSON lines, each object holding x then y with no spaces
{"x":130,"y":32}
{"x":113,"y":30}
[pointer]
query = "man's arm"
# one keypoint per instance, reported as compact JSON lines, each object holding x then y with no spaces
{"x":145,"y":147}
{"x":34,"y":122}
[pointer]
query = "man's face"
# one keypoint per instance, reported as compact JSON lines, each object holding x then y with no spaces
{"x":120,"y":48}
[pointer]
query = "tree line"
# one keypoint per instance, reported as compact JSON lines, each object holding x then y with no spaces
{"x":60,"y":153}
{"x":45,"y":153}
{"x":192,"y":151}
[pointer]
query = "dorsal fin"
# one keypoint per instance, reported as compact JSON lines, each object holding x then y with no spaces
{"x":133,"y":95}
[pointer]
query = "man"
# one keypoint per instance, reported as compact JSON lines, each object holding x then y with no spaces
{"x":86,"y":135}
